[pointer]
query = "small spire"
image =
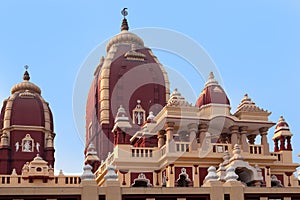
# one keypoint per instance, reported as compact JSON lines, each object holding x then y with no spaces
{"x":281,"y":119}
{"x":247,"y":100}
{"x":26,"y":76}
{"x":211,"y":80}
{"x":211,"y":75}
{"x":124,"y":25}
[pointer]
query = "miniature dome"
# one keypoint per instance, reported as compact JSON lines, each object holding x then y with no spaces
{"x":213,"y":93}
{"x":26,"y":106}
{"x":281,"y":125}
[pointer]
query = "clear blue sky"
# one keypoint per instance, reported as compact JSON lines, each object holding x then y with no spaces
{"x":254,"y":44}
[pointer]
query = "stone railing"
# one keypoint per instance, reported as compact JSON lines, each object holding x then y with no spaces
{"x":255,"y":149}
{"x":142,"y":152}
{"x":277,"y":155}
{"x":110,"y":158}
{"x":19,"y":180}
{"x":221,"y":148}
{"x":182,"y":146}
{"x":163,"y":150}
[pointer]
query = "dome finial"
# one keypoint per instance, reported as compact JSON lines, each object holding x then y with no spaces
{"x":211,"y":75}
{"x":211,"y":80}
{"x":124,"y":25}
{"x":26,"y":76}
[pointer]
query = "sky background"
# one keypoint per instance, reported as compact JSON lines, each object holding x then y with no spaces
{"x":254,"y":44}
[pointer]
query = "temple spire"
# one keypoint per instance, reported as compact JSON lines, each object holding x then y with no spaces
{"x":124,"y":25}
{"x":26,"y":76}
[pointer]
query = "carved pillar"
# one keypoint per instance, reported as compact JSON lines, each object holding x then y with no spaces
{"x":157,"y":177}
{"x":196,"y":176}
{"x":4,"y":140}
{"x":169,"y":127}
{"x":49,"y":140}
{"x":268,"y":176}
{"x":171,"y":175}
{"x":161,"y":138}
{"x":193,"y":140}
{"x":282,"y":143}
{"x":264,"y":140}
{"x":289,"y":145}
{"x":123,"y":172}
{"x":276,"y":145}
{"x":234,"y":130}
{"x":244,"y":143}
{"x":127,"y":137}
{"x":289,"y":174}
{"x":202,"y":131}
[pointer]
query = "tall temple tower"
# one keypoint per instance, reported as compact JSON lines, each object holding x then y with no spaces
{"x":26,"y":127}
{"x":130,"y":76}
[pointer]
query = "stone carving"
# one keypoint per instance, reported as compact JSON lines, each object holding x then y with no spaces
{"x":141,"y":181}
{"x":231,"y":175}
{"x":27,"y":143}
{"x":275,"y":182}
{"x":138,"y":114}
{"x":247,"y":105}
{"x":212,"y":175}
{"x":38,"y":147}
{"x":221,"y":172}
{"x":111,"y":174}
{"x":183,"y":179}
{"x":17,"y":145}
{"x":87,"y":173}
{"x":177,"y":99}
{"x":27,"y":146}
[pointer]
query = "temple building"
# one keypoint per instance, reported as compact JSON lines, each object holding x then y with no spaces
{"x":26,"y":125}
{"x":129,"y":75}
{"x":145,"y":143}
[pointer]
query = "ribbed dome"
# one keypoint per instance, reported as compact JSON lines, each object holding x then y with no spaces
{"x":213,"y":93}
{"x":281,"y":125}
{"x":25,"y":85}
{"x":26,"y":107}
{"x":125,"y":37}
